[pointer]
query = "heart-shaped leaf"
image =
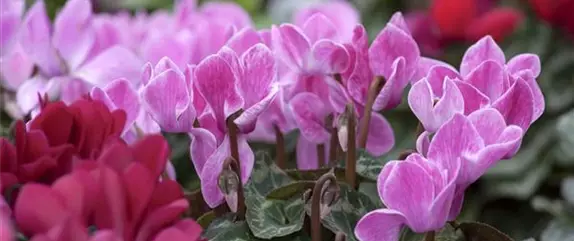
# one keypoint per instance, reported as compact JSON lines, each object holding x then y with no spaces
{"x":274,"y":218}
{"x":224,"y":228}
{"x":475,"y":231}
{"x":290,"y":190}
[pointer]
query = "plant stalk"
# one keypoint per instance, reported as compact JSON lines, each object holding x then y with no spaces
{"x":321,"y":155}
{"x":316,"y":204}
{"x":235,"y":162}
{"x":374,"y":90}
{"x":279,"y":148}
{"x":333,"y":147}
{"x":429,"y":236}
{"x":351,"y":160}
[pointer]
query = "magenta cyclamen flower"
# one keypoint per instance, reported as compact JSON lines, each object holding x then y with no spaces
{"x":230,"y":84}
{"x":424,"y":193}
{"x":416,"y":192}
{"x":485,"y":79}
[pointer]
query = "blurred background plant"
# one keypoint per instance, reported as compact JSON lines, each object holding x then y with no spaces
{"x":531,"y":195}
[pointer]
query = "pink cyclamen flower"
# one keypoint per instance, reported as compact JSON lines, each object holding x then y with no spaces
{"x":484,"y":80}
{"x":61,"y":55}
{"x":229,"y":83}
{"x":168,"y":97}
{"x":6,"y":229}
{"x":416,"y":192}
{"x":424,"y":193}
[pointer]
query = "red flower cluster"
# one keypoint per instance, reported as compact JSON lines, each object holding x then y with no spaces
{"x":558,"y":13}
{"x":449,"y":21}
{"x":81,"y":181}
{"x":46,"y":148}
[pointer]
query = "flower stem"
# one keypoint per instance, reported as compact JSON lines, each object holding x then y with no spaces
{"x":317,"y":195}
{"x":340,"y":236}
{"x":279,"y":148}
{"x":374,"y":89}
{"x":429,"y":236}
{"x":235,"y":162}
{"x":320,"y":155}
{"x":333,"y":147}
{"x":351,"y":160}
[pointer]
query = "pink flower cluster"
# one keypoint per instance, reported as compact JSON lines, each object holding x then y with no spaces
{"x":476,"y":116}
{"x":207,"y":72}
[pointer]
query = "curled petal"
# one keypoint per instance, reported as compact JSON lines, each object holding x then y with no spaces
{"x":330,"y":56}
{"x":342,"y":15}
{"x":399,"y":21}
{"x":437,"y":76}
{"x":524,"y":62}
{"x":483,"y":50}
{"x":391,"y":94}
{"x":425,"y":65}
{"x":124,"y":97}
{"x":35,"y":217}
{"x":391,"y":44}
{"x":423,"y":142}
{"x":309,"y":112}
{"x":258,"y":85}
{"x":381,"y":137}
{"x":516,"y":105}
{"x":539,"y":102}
{"x":380,"y":225}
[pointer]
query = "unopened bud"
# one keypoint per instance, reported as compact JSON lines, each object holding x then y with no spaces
{"x":228,"y":184}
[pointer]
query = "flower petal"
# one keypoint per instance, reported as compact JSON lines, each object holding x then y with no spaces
{"x":516,"y":105}
{"x":290,"y":45}
{"x":524,"y":62}
{"x":36,"y":42}
{"x":423,"y":142}
{"x":203,"y":144}
{"x":216,"y":82}
{"x":391,"y":44}
{"x":454,"y":139}
{"x":318,"y":27}
{"x":243,"y":40}
{"x":307,"y":155}
{"x":35,"y":217}
{"x":167,"y":100}
{"x":488,"y":77}
{"x":391,"y":94}
{"x":73,"y":34}
{"x":380,"y":225}
{"x":114,"y":63}
{"x":539,"y":102}
{"x":473,"y":98}
{"x":310,"y":112}
{"x":330,"y":56}
{"x":258,"y":85}
{"x":410,"y":190}
{"x":483,"y":50}
{"x":381,"y":137}
{"x":212,"y":168}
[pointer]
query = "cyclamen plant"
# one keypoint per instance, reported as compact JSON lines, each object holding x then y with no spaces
{"x":99,"y":164}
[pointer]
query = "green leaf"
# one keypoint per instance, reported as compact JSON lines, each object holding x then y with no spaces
{"x":266,"y":176}
{"x":271,"y":218}
{"x":482,"y":231}
{"x":347,"y":211}
{"x":312,"y":175}
{"x":274,"y":218}
{"x":369,"y":166}
{"x":370,"y":189}
{"x":565,"y":139}
{"x":290,"y":190}
{"x":558,"y":230}
{"x":445,"y":234}
{"x":225,"y":229}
